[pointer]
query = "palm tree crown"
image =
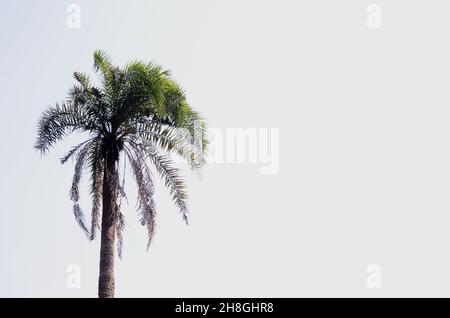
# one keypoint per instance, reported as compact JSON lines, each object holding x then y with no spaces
{"x":139,"y":115}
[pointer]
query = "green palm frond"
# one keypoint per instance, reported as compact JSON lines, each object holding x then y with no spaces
{"x":102,"y":63}
{"x":83,"y":79}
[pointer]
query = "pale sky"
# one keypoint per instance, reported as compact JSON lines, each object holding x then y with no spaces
{"x":362,"y":115}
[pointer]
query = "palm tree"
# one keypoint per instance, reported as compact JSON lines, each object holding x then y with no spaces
{"x":137,"y":114}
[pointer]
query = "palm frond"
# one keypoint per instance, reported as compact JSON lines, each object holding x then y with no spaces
{"x":73,"y":151}
{"x":96,"y":167}
{"x":102,"y":63}
{"x":83,"y":79}
{"x":79,"y":217}
{"x":138,"y":111}
{"x":79,"y":165}
{"x":146,"y":204}
{"x":172,"y":139}
{"x":120,"y":226}
{"x":140,"y":91}
{"x":74,"y":191}
{"x":56,"y":122}
{"x":169,"y":173}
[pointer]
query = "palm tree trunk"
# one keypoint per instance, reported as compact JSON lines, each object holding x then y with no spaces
{"x":106,"y":275}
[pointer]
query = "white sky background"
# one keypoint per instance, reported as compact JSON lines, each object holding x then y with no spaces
{"x":364,"y":172}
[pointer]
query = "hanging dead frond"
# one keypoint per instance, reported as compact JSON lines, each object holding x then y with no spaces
{"x":169,"y":173}
{"x":79,"y":217}
{"x":97,"y":171}
{"x":120,"y":226}
{"x":143,"y":178}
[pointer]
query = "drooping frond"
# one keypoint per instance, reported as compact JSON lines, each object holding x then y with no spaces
{"x":79,"y":217}
{"x":169,"y":173}
{"x":183,"y":143}
{"x":143,"y":178}
{"x":74,"y":191}
{"x":196,"y":126}
{"x":120,"y":219}
{"x":73,"y":151}
{"x":120,"y":226}
{"x":96,"y":167}
{"x":121,"y":185}
{"x":56,"y":122}
{"x":79,"y":164}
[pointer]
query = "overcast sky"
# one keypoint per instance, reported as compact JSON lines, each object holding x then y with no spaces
{"x":363,"y":173}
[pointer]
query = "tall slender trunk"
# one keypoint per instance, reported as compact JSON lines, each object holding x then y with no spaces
{"x":106,"y":276}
